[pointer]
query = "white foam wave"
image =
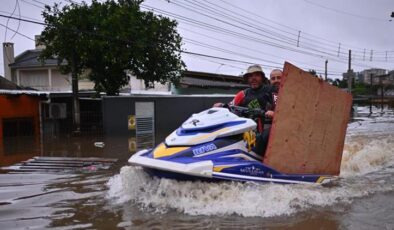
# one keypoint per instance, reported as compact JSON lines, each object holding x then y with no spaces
{"x":227,"y":198}
{"x":365,"y":154}
{"x":367,"y":168}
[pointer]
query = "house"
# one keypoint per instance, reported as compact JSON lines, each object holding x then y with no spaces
{"x":19,"y":122}
{"x":137,"y":86}
{"x":27,"y":70}
{"x":367,"y":73}
{"x":192,"y":82}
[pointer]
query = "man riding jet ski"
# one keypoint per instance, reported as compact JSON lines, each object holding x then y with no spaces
{"x":220,"y":143}
{"x":259,"y":95}
{"x":215,"y":144}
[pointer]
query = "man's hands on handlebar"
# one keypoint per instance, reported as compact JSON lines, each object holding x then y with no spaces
{"x":246,"y":112}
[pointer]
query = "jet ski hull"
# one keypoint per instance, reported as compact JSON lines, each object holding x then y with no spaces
{"x":215,"y":145}
{"x":228,"y":168}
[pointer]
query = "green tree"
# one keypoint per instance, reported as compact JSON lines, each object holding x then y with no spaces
{"x":111,"y":38}
{"x":361,"y":89}
{"x":63,"y":38}
{"x":146,"y":45}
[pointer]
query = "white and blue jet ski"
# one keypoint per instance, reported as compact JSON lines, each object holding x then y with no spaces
{"x":215,"y":144}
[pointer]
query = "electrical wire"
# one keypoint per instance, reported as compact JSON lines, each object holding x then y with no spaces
{"x":194,"y":9}
{"x":344,"y":12}
{"x":220,"y":29}
{"x":257,"y":52}
{"x":19,"y":22}
{"x":17,"y":32}
{"x":186,"y":52}
{"x":309,"y":37}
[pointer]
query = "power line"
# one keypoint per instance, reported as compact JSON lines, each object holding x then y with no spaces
{"x":234,"y":17}
{"x":217,"y":62}
{"x":17,"y":32}
{"x":263,"y":41}
{"x":244,"y":62}
{"x":321,"y":39}
{"x":324,"y":52}
{"x":188,"y":7}
{"x":19,"y":22}
{"x":222,"y":30}
{"x":23,"y":20}
{"x":294,"y":37}
{"x":31,"y":21}
{"x":25,"y":17}
{"x":233,"y":14}
{"x":258,"y":52}
{"x":270,"y":31}
{"x":32,"y":4}
{"x":344,"y":12}
{"x":8,"y":20}
{"x":228,"y":51}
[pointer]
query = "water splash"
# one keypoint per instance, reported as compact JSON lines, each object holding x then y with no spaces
{"x":227,"y":198}
{"x":367,"y":168}
{"x":366,"y":154}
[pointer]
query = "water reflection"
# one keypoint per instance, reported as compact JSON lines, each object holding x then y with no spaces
{"x":16,"y":149}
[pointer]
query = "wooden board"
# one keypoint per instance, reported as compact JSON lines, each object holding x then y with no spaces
{"x":309,"y":127}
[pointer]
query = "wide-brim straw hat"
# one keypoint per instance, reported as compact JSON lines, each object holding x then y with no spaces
{"x":253,"y":69}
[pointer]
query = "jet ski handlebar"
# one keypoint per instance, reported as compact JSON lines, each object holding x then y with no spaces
{"x":246,"y":112}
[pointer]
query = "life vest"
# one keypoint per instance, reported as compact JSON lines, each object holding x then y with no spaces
{"x":255,"y":99}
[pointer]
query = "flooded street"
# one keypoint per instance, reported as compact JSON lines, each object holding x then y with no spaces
{"x":126,"y":197}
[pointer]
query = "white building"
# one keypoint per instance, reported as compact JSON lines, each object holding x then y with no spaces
{"x":137,"y":86}
{"x":366,"y":75}
{"x":27,"y":70}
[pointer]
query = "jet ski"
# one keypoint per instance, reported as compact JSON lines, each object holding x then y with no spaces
{"x":216,"y":144}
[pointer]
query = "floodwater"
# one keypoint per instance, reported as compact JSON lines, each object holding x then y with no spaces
{"x":125,"y":197}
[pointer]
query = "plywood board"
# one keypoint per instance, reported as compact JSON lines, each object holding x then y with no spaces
{"x":309,"y":126}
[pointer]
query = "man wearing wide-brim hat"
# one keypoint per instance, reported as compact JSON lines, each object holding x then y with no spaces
{"x":257,"y":96}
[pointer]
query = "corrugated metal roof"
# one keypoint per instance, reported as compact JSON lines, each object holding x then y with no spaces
{"x":220,"y":77}
{"x":26,"y":92}
{"x":205,"y":83}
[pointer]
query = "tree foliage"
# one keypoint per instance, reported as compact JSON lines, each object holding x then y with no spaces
{"x":113,"y":39}
{"x":63,"y":37}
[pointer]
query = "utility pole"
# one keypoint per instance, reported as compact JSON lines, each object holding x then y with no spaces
{"x":325,"y":71}
{"x":298,"y":39}
{"x":381,"y":93}
{"x":349,"y":73}
{"x":371,"y":92}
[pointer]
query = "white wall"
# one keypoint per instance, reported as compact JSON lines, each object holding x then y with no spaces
{"x":43,"y":79}
{"x":137,"y":86}
{"x":37,"y":79}
{"x":60,"y":82}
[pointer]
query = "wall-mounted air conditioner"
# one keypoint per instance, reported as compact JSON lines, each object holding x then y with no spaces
{"x":57,"y":111}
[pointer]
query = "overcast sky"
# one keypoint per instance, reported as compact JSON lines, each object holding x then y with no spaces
{"x":234,"y":33}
